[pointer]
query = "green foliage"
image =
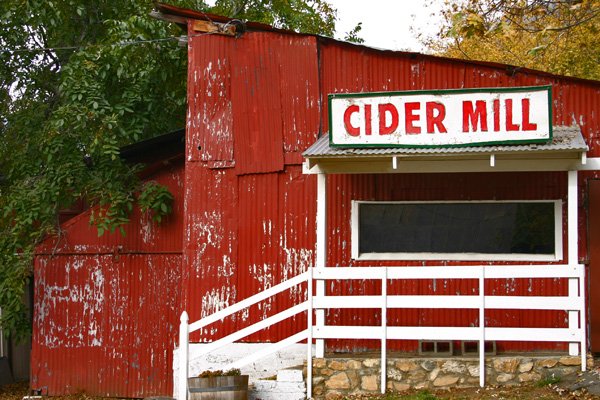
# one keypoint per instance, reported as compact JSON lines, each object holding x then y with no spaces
{"x":422,"y":395}
{"x":353,"y":36}
{"x":211,"y":374}
{"x":547,"y":381}
{"x":157,"y":200}
{"x":307,"y":16}
{"x":561,"y":37}
{"x":78,"y":80}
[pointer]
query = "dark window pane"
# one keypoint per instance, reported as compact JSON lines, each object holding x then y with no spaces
{"x":490,"y":228}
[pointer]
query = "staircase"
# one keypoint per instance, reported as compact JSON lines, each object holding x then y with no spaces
{"x":289,"y":385}
{"x":294,"y":388}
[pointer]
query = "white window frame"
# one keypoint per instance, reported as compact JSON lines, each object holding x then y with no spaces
{"x":558,"y":237}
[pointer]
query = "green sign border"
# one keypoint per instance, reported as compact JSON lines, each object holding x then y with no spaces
{"x":517,"y":89}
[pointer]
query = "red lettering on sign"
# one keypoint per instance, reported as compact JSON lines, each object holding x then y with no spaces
{"x":510,"y":125}
{"x":527,"y":125}
{"x":496,"y":115}
{"x":410,"y":118}
{"x":393,"y":111}
{"x":434,"y":119}
{"x":475,"y":117}
{"x":352,"y":130}
{"x":367,"y":119}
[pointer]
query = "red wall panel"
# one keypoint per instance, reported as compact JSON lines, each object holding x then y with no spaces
{"x":106,"y":308}
{"x":250,"y":223}
{"x":142,"y":235}
{"x":343,"y":189}
{"x":105,"y":325}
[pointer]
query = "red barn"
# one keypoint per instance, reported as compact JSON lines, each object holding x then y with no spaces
{"x":265,"y":192}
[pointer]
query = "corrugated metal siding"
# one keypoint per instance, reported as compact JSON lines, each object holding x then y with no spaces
{"x":106,"y":317}
{"x":246,"y":233}
{"x":210,"y":111}
{"x":210,"y":246}
{"x":343,"y":189}
{"x":352,"y":69}
{"x":105,"y":325}
{"x":142,"y":235}
{"x":300,"y":103}
{"x":106,"y":309}
{"x":250,"y":224}
{"x":288,"y":79}
{"x":257,"y":104}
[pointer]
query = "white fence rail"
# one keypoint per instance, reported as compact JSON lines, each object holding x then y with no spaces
{"x":185,"y":329}
{"x":573,"y":302}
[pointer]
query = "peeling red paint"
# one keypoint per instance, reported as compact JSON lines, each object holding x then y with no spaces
{"x":245,"y":214}
{"x":106,"y":309}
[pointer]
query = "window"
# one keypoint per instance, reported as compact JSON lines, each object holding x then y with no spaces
{"x":487,"y":230}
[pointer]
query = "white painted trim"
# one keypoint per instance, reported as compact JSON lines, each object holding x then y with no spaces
{"x":573,"y":249}
{"x":448,"y":164}
{"x":321,"y":250}
{"x":309,"y":339}
{"x":262,"y":324}
{"x":482,"y":327}
{"x":455,"y":257}
{"x":445,"y":302}
{"x":384,"y":325}
{"x":452,"y":272}
{"x":183,"y":357}
{"x":354,"y":218}
{"x":558,"y":230}
{"x":591,"y":164}
{"x":354,"y":245}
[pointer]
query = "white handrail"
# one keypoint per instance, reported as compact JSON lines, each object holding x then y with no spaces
{"x":185,"y":329}
{"x":250,"y":301}
{"x":573,"y":302}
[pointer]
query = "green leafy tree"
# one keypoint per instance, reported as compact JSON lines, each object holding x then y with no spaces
{"x":78,"y":80}
{"x":557,"y":36}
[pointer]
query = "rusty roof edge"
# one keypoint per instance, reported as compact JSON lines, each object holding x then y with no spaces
{"x":170,"y":11}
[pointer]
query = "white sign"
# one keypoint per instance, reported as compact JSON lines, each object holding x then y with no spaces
{"x":467,"y":117}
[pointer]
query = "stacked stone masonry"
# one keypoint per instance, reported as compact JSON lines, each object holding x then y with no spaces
{"x":335,"y":377}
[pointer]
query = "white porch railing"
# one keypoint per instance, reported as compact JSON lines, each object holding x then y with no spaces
{"x":574,"y":302}
{"x":185,"y":329}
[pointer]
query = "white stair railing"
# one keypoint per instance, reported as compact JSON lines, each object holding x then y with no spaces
{"x":573,"y":302}
{"x":185,"y":329}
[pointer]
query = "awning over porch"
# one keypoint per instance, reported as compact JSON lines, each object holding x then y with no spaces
{"x":565,"y":152}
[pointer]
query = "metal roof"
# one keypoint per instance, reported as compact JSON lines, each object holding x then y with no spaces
{"x":565,"y":138}
{"x":157,"y":148}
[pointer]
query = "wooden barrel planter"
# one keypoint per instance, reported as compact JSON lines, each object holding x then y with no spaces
{"x":219,"y":388}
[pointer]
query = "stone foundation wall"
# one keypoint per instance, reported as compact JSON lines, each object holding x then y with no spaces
{"x":334,"y":377}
